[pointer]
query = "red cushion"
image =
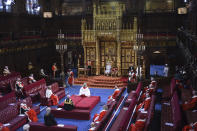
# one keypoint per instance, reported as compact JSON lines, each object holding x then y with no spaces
{"x":35,"y":126}
{"x":75,"y":100}
{"x":73,"y":114}
{"x":88,"y":103}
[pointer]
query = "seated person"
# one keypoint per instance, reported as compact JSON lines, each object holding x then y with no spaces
{"x":144,"y":105}
{"x":84,"y":91}
{"x":50,"y":95}
{"x":26,"y":127}
{"x":108,"y":68}
{"x":19,"y":87}
{"x":98,"y":117}
{"x":145,"y":95}
{"x":190,"y":104}
{"x":92,"y":127}
{"x":68,"y":104}
{"x":151,"y":87}
{"x":42,"y":74}
{"x":132,"y":77}
{"x":190,"y":127}
{"x":138,"y":125}
{"x":71,"y":78}
{"x":30,"y":113}
{"x":115,"y":94}
{"x":3,"y":128}
{"x":49,"y":118}
{"x":31,"y":79}
{"x":6,"y":71}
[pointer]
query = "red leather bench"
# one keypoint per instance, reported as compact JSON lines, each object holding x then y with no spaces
{"x":150,"y":112}
{"x":7,"y":99}
{"x":88,"y":103}
{"x":35,"y":126}
{"x":122,"y":120}
{"x":10,"y":115}
{"x":103,"y":123}
{"x":176,"y":111}
{"x":33,"y":89}
{"x":74,"y":114}
{"x":59,"y":91}
{"x":83,"y":103}
{"x":6,"y":80}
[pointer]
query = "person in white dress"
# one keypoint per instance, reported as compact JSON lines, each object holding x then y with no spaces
{"x":108,"y":68}
{"x":84,"y":91}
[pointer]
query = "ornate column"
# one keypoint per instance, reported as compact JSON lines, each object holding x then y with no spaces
{"x":119,"y":57}
{"x":97,"y":57}
{"x":85,"y":57}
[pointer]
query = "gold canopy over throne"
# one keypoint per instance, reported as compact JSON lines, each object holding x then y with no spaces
{"x":109,"y":39}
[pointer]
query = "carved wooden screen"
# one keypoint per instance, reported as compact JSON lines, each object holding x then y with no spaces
{"x":127,"y":57}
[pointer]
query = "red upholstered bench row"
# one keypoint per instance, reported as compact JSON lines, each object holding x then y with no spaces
{"x":10,"y":115}
{"x":186,"y":94}
{"x":83,"y":103}
{"x":150,"y":113}
{"x":6,"y":80}
{"x":35,"y":126}
{"x":74,"y":114}
{"x":123,"y":117}
{"x":176,"y":111}
{"x":7,"y":99}
{"x":103,"y":123}
{"x":131,"y":95}
{"x":171,"y":112}
{"x":33,"y":89}
{"x":58,"y":91}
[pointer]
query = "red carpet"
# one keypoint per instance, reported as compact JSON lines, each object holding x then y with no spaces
{"x":102,"y":81}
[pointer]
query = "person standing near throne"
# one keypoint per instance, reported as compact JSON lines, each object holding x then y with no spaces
{"x":89,"y":64}
{"x":108,"y":68}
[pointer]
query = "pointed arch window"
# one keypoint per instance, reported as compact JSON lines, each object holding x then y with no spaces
{"x":33,"y":7}
{"x":6,"y":5}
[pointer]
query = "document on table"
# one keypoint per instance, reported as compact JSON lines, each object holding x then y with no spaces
{"x":167,"y":104}
{"x":21,"y":115}
{"x":169,"y":124}
{"x":60,"y":125}
{"x":7,"y":124}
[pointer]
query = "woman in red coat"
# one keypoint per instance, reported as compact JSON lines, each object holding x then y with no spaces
{"x":3,"y":128}
{"x":71,"y":78}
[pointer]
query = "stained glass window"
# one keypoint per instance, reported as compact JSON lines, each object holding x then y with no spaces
{"x":32,"y":7}
{"x":6,"y":5}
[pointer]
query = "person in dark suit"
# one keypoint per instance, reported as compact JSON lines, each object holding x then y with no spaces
{"x":49,"y":118}
{"x":68,"y":104}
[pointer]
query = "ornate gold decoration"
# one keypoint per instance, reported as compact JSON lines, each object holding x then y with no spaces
{"x":111,"y":42}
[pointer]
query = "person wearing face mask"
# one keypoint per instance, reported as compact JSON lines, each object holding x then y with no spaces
{"x":84,"y":91}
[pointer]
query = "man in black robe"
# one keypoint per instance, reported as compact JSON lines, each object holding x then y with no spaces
{"x":49,"y":118}
{"x":68,"y":104}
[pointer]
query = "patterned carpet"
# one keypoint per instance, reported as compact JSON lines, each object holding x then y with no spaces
{"x":102,"y":81}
